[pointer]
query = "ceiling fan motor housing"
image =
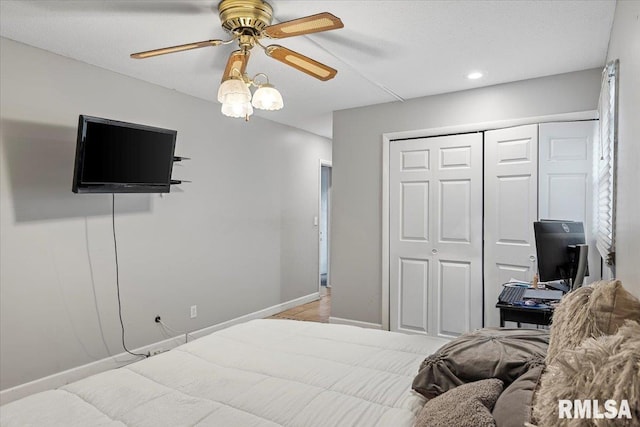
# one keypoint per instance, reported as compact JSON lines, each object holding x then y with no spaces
{"x":239,"y":15}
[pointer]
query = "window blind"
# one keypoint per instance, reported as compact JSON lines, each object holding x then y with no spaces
{"x":605,"y":164}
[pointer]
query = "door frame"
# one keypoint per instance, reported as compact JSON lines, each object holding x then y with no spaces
{"x":324,"y":163}
{"x":388,"y":138}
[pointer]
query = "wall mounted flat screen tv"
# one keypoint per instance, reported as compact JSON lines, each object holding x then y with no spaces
{"x":120,"y":157}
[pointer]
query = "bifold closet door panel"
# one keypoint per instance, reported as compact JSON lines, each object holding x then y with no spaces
{"x":510,"y":208}
{"x":565,"y":189}
{"x":435,"y":235}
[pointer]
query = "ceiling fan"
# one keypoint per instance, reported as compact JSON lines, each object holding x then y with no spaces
{"x":249,"y":21}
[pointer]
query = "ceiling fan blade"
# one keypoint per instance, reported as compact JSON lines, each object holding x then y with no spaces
{"x":236,"y":65}
{"x":301,"y":62}
{"x":309,"y":24}
{"x":173,"y":49}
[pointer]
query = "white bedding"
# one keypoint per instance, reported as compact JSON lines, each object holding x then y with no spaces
{"x":259,"y":373}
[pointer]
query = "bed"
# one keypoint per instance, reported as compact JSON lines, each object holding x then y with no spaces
{"x":260,"y":373}
{"x":292,"y":373}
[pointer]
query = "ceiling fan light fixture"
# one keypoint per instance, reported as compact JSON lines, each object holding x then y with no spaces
{"x":267,"y":97}
{"x":237,"y":110}
{"x":248,"y":22}
{"x":234,"y":90}
{"x":236,"y":98}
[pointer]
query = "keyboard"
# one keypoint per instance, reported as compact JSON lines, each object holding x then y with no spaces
{"x":511,"y":294}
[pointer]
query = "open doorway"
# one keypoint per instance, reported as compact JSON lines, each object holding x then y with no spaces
{"x":324,"y":228}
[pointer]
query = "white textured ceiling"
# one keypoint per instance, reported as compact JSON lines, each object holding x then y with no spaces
{"x":388,"y":50}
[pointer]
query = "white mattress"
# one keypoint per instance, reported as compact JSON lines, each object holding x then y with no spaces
{"x":260,"y":373}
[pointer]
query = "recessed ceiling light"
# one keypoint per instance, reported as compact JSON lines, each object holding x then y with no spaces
{"x":474,"y":75}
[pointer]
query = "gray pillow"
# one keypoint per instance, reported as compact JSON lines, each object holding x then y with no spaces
{"x":486,"y":353}
{"x":467,"y":405}
{"x":514,"y":406}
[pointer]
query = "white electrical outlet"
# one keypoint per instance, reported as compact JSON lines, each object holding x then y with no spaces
{"x":194,"y":311}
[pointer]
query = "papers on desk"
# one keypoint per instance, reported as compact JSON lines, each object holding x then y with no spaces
{"x":516,"y":282}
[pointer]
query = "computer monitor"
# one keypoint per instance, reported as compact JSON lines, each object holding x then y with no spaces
{"x":561,"y":250}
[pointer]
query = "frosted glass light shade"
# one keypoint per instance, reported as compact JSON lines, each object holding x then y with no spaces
{"x":238,"y":110}
{"x":236,"y":98}
{"x":233,"y":90}
{"x":267,"y":97}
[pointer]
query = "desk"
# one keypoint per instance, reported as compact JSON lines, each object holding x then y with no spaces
{"x":524,"y":314}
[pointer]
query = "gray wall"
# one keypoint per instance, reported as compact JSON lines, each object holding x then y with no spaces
{"x":240,"y":238}
{"x":625,"y":46}
{"x":357,"y":167}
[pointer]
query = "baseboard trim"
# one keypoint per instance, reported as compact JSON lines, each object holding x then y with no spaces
{"x":261,"y":314}
{"x":341,"y":321}
{"x":74,"y":374}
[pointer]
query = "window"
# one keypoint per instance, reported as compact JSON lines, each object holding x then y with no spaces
{"x":605,"y":164}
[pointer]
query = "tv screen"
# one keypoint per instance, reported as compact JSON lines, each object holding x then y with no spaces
{"x":120,"y":157}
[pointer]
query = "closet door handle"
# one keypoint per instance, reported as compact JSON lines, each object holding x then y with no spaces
{"x":532,"y":258}
{"x":434,"y":251}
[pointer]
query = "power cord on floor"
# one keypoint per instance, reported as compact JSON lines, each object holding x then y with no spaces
{"x":167,"y":327}
{"x":115,"y":247}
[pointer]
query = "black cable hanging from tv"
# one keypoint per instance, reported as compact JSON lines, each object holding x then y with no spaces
{"x":115,"y":247}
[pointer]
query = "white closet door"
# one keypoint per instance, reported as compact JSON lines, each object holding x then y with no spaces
{"x":510,"y":176}
{"x":565,"y":178}
{"x":435,"y":231}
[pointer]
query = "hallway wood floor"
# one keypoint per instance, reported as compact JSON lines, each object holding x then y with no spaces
{"x":316,"y":311}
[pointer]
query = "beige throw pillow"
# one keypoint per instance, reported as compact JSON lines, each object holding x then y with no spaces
{"x":467,"y":405}
{"x":611,"y":304}
{"x":603,"y":368}
{"x":590,"y":311}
